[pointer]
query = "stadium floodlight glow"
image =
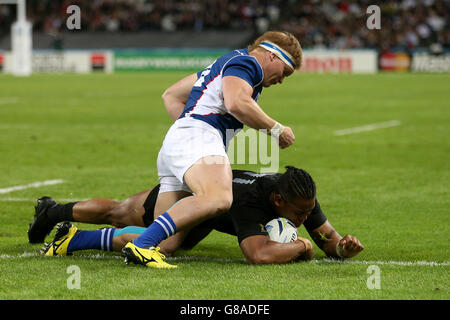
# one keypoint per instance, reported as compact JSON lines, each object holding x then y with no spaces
{"x":21,"y":40}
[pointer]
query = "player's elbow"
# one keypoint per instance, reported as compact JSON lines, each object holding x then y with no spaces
{"x":232,"y":105}
{"x":170,"y":95}
{"x":260,"y":257}
{"x":166,"y":95}
{"x":233,"y":109}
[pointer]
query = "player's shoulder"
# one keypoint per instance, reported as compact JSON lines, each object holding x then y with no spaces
{"x":241,"y":57}
{"x":245,"y":173}
{"x":236,"y":54}
{"x":248,"y":177}
{"x":240,"y":64}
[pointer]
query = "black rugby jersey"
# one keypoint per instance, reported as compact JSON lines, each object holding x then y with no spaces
{"x":251,"y":208}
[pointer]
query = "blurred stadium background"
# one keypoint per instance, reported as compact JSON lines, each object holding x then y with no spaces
{"x":124,"y":35}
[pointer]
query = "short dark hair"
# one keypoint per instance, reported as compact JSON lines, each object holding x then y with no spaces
{"x":296,"y":183}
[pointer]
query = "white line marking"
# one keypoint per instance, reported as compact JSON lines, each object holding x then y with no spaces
{"x":15,"y":126}
{"x":10,"y":199}
{"x":369,"y":127}
{"x":31,"y":185}
{"x":217,"y":259}
{"x":23,"y":255}
{"x":37,"y":254}
{"x":9,"y":100}
{"x":396,"y":263}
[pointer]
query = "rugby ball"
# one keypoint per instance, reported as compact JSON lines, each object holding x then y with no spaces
{"x":281,"y":230}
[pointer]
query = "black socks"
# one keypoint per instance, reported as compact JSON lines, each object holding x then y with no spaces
{"x":61,"y":212}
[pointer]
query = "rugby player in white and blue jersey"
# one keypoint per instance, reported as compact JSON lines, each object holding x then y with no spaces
{"x":193,"y":166}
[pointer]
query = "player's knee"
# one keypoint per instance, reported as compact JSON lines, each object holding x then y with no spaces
{"x":116,"y":216}
{"x":222,"y":203}
{"x":225,"y":203}
{"x":119,"y":242}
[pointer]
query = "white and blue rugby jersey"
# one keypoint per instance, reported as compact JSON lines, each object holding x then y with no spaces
{"x":206,"y":102}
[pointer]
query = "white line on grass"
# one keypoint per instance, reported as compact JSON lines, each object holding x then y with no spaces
{"x":31,"y":185}
{"x":11,"y":199}
{"x":15,"y":126}
{"x":37,"y":254}
{"x":19,"y":200}
{"x":397,"y":263}
{"x":369,"y":127}
{"x":216,"y":259}
{"x":9,"y":100}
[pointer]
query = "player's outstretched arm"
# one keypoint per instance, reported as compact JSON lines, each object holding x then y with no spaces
{"x":176,"y":96}
{"x":260,"y":249}
{"x":333,"y":244}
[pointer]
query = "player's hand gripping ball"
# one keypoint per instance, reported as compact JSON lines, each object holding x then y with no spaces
{"x":281,"y":230}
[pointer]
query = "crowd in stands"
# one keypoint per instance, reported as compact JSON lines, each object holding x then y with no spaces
{"x":317,"y":23}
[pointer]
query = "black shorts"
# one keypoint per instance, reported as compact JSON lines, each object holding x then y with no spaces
{"x":221,"y":223}
{"x":149,"y":206}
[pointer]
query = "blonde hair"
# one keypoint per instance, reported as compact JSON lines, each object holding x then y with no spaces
{"x":285,"y":40}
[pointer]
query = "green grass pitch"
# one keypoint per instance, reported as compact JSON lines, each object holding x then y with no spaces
{"x":101,"y":135}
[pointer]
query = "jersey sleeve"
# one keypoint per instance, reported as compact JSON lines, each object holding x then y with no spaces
{"x":244,"y":67}
{"x":315,"y":219}
{"x":249,"y":224}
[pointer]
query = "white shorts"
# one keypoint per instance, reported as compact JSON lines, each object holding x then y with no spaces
{"x":187,"y":141}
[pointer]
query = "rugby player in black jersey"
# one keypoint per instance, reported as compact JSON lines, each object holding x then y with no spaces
{"x":258,"y":198}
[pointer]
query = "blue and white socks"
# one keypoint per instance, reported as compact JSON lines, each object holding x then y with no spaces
{"x":97,"y":239}
{"x":162,"y":228}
